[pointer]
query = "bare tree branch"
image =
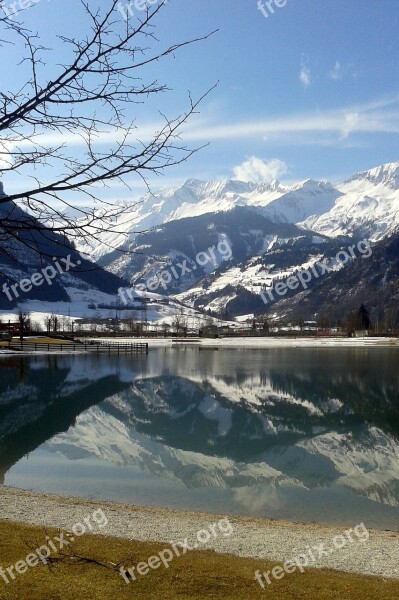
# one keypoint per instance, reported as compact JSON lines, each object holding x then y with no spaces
{"x":89,"y":100}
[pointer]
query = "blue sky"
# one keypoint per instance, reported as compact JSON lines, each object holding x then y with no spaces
{"x":311,"y":90}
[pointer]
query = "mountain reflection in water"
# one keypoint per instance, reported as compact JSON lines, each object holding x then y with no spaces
{"x":255,"y":430}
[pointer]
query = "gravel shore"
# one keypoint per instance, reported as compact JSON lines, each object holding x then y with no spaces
{"x":275,"y":541}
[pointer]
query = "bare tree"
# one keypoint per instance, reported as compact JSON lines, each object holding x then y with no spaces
{"x":64,"y":322}
{"x":131,"y":321}
{"x":176,"y":323}
{"x":180,"y":323}
{"x":52,"y":322}
{"x":89,"y":98}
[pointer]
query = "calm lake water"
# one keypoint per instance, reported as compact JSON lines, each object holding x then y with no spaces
{"x":303,"y":434}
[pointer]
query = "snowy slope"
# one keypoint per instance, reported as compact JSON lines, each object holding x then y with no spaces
{"x":288,"y":204}
{"x":368,"y":206}
{"x":367,"y":203}
{"x":302,"y":201}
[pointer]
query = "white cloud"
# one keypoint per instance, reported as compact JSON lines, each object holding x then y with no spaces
{"x":336,"y":71}
{"x":351,"y":121}
{"x":259,"y":171}
{"x":304,"y":73}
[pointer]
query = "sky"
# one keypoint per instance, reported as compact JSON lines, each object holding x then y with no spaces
{"x":305,"y":88}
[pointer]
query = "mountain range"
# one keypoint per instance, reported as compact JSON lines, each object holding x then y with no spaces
{"x":272,"y":231}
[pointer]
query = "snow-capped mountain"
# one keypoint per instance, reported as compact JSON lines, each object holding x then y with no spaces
{"x":194,"y":198}
{"x":301,"y":201}
{"x":244,"y":234}
{"x":387,"y":175}
{"x":367,"y":203}
{"x":368,"y":206}
{"x":273,"y":231}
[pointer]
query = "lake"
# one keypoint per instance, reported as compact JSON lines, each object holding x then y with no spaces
{"x":301,"y":434}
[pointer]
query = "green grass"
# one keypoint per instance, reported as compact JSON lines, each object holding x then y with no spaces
{"x":197,"y":575}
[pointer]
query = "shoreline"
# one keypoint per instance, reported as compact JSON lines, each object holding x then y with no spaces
{"x":252,"y":537}
{"x":229,"y":343}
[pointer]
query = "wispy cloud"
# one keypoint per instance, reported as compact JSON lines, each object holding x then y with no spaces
{"x":336,"y":71}
{"x":258,"y":170}
{"x":305,"y":73}
{"x":378,"y":116}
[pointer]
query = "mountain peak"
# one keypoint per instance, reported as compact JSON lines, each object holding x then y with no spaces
{"x":309,"y":185}
{"x":205,"y":189}
{"x":387,"y":174}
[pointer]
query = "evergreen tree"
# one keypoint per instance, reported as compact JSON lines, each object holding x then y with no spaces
{"x":363,"y":318}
